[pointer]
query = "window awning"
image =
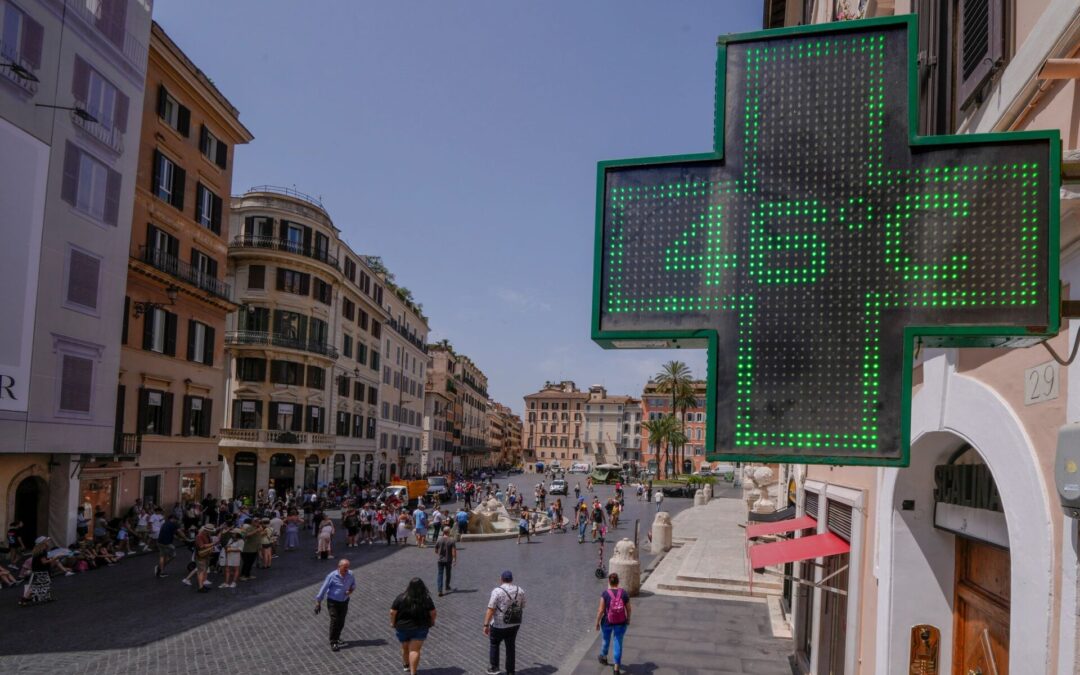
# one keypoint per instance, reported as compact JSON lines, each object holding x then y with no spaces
{"x":783,"y":514}
{"x":781,"y":526}
{"x":795,"y":550}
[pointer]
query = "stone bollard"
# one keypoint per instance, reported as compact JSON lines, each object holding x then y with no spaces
{"x":625,"y":563}
{"x":708,"y":492}
{"x":661,"y":532}
{"x":699,"y":497}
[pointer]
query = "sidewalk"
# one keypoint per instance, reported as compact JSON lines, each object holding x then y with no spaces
{"x":696,"y":614}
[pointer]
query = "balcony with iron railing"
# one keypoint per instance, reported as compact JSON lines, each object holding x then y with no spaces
{"x":269,"y":339}
{"x":178,"y":269}
{"x":134,"y":52}
{"x":309,"y":439}
{"x":109,"y":136}
{"x":285,"y":245}
{"x":127,"y":445}
{"x":413,"y":340}
{"x":289,"y":192}
{"x":15,"y":67}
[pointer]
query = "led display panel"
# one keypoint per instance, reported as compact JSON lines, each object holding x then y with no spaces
{"x":822,"y":242}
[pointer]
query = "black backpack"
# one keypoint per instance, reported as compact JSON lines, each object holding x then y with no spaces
{"x":514,"y":613}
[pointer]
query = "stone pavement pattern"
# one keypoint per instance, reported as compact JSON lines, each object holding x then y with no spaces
{"x":692,"y":636}
{"x":122,"y":620}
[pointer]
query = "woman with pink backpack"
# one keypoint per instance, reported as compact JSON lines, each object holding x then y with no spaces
{"x":612,"y":618}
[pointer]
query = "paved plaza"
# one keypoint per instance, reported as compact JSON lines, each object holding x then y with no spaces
{"x":123,"y":620}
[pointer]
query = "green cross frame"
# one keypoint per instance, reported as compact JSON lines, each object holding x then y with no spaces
{"x":829,"y":241}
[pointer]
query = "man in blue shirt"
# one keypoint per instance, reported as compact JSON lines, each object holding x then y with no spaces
{"x":336,"y":588}
{"x":462,"y":519}
{"x":166,"y":542}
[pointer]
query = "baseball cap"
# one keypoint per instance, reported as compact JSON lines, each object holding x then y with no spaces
{"x":507,"y":575}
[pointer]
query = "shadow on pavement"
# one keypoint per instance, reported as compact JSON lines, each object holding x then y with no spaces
{"x":125,"y":606}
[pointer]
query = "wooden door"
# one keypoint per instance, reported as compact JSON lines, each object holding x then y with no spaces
{"x":981,"y":609}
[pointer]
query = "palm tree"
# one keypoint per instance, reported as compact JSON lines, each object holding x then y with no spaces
{"x":677,"y":438}
{"x":659,"y":430}
{"x":673,"y":376}
{"x":685,"y":399}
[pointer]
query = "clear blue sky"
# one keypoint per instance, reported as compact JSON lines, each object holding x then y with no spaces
{"x":458,"y":140}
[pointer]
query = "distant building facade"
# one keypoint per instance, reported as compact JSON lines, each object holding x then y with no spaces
{"x":612,"y":427}
{"x":655,"y":405}
{"x":404,"y":372}
{"x":554,"y":421}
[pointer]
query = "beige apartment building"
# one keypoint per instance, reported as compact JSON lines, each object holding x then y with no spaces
{"x":404,"y":374}
{"x":990,"y":572}
{"x":172,"y":366}
{"x":436,"y":453}
{"x":554,"y":421}
{"x":467,"y":414}
{"x":284,"y":267}
{"x":612,"y":427}
{"x":504,"y":436}
{"x":71,"y":96}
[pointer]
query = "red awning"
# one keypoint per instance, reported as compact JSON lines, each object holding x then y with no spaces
{"x":781,"y":526}
{"x":794,"y":550}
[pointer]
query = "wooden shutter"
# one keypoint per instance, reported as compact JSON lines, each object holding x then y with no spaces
{"x":307,"y":240}
{"x":256,"y":276}
{"x":281,"y":278}
{"x":249,"y":227}
{"x":112,"y":197}
{"x":191,"y":340}
{"x":305,"y":284}
{"x":70,"y":188}
{"x":208,"y":346}
{"x":297,"y":418}
{"x":170,"y":333}
{"x":272,"y":422}
{"x":185,"y":419}
{"x":199,"y":189}
{"x":183,"y":120}
{"x":212,"y":267}
{"x":166,"y":413}
{"x":83,"y":273}
{"x":148,"y":330}
{"x":155,"y":173}
{"x":140,"y":414}
{"x":839,"y":519}
{"x":215,"y":213}
{"x":75,"y":383}
{"x":207,"y":416}
{"x":810,"y":504}
{"x":222,"y":158}
{"x":309,"y":425}
{"x":179,"y":179}
{"x":33,"y":35}
{"x":162,"y":99}
{"x":120,"y":116}
{"x":80,"y":80}
{"x":202,"y":138}
{"x":980,"y":45}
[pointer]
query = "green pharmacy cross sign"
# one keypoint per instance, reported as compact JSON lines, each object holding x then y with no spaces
{"x":823,"y":241}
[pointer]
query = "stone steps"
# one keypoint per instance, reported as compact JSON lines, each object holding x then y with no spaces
{"x":720,"y":587}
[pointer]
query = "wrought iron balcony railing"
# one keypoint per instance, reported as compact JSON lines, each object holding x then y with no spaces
{"x":181,"y":270}
{"x":279,"y":437}
{"x":127,"y":445}
{"x":286,"y":245}
{"x":268,"y":339}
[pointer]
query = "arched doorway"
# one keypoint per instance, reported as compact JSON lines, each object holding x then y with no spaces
{"x":354,"y":468}
{"x":369,"y":467}
{"x":244,"y":470}
{"x":282,"y":472}
{"x":339,"y":468}
{"x":32,"y":507}
{"x":311,"y":472}
{"x":687,"y":466}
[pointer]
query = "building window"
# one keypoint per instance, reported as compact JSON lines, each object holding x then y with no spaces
{"x":373,"y":395}
{"x":251,"y":370}
{"x":361,"y":353}
{"x":316,"y":377}
{"x":342,"y":428}
{"x":376,"y":330}
{"x":362,"y":320}
{"x":346,"y":345}
{"x":323,"y":292}
{"x":207,"y":208}
{"x":343,"y":385}
{"x":21,"y":37}
{"x":256,"y":276}
{"x":371,"y":428}
{"x":212,"y":148}
{"x":197,"y":415}
{"x":83,"y":272}
{"x":292,"y":281}
{"x":358,"y":391}
{"x":172,"y":113}
{"x":100,"y":98}
{"x":314,"y":422}
{"x":256,"y":319}
{"x":155,"y":412}
{"x":375,"y":361}
{"x":247,"y":414}
{"x":350,"y":269}
{"x":90,"y":186}
{"x":76,"y":384}
{"x":159,"y":331}
{"x":284,"y":417}
{"x":168,"y":181}
{"x":348,"y":309}
{"x":358,"y":426}
{"x":200,"y":346}
{"x":205,"y":267}
{"x":286,"y":372}
{"x":290,"y":325}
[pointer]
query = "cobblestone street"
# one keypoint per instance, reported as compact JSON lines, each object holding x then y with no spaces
{"x":122,"y":620}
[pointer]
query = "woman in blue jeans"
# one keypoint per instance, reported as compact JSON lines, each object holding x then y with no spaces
{"x":612,"y":618}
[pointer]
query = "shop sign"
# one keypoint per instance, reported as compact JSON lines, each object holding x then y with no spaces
{"x":822,"y":241}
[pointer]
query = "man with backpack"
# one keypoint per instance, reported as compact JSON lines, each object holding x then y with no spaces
{"x":612,"y":618}
{"x":505,"y":610}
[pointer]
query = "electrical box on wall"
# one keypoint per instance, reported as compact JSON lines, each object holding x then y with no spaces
{"x":1067,"y":469}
